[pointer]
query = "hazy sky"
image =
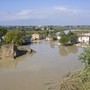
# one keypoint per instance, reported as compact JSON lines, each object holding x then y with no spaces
{"x":44,"y":12}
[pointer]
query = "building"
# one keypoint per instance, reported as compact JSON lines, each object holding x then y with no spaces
{"x":84,"y":37}
{"x":48,"y":38}
{"x":35,"y":36}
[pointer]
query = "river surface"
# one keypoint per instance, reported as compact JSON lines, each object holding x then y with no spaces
{"x":42,"y":70}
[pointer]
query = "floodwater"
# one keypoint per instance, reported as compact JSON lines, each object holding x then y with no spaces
{"x":42,"y":70}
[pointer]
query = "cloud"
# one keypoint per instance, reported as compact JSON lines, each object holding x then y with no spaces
{"x":62,"y":9}
{"x":24,"y":12}
{"x":66,"y":10}
{"x":72,"y":12}
{"x":23,"y":15}
{"x":43,"y":13}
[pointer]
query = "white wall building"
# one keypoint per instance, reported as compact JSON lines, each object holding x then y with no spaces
{"x":84,"y":37}
{"x":48,"y":38}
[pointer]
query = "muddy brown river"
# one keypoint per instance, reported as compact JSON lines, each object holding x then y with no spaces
{"x":42,"y":70}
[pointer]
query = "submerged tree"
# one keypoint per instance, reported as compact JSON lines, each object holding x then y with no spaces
{"x":64,"y":40}
{"x":70,"y":38}
{"x":73,"y":39}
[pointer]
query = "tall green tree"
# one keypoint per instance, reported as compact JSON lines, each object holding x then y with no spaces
{"x":15,"y":36}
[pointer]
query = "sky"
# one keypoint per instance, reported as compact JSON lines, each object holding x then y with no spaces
{"x":44,"y":12}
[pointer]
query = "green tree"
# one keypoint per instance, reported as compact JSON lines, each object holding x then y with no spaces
{"x":70,"y":38}
{"x":15,"y":36}
{"x":70,"y":33}
{"x":64,"y":40}
{"x":9,"y":36}
{"x":45,"y":27}
{"x":73,"y":38}
{"x":62,"y":33}
{"x":33,"y":28}
{"x":50,"y":27}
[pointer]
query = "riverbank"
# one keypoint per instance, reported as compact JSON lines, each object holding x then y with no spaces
{"x":79,"y":80}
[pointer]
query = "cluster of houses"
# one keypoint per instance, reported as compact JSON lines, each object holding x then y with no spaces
{"x":83,"y":38}
{"x":37,"y":36}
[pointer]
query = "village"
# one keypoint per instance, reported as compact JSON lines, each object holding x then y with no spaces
{"x":49,"y":33}
{"x":45,"y":45}
{"x":83,"y":38}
